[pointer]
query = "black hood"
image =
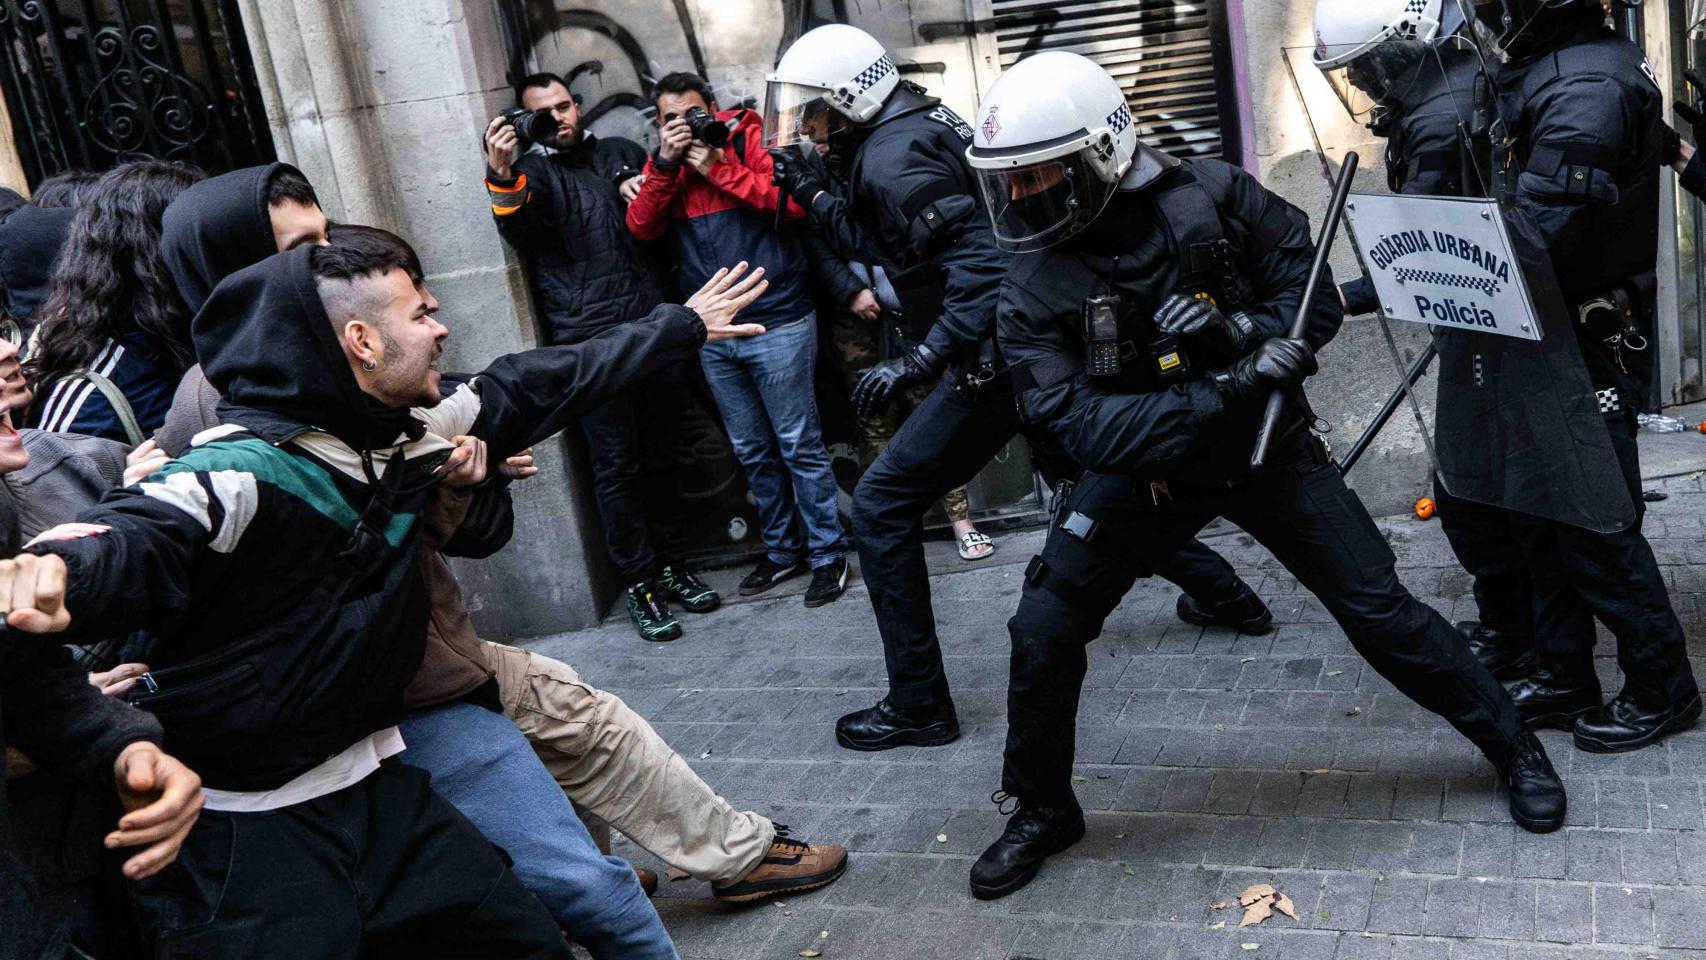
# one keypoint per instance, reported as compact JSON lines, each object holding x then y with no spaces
{"x":268,"y":347}
{"x":216,"y":228}
{"x":30,"y":240}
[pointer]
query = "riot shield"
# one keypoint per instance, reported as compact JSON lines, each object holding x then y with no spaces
{"x":1513,"y":420}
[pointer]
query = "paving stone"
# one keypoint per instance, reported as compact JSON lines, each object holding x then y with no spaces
{"x":1203,"y":772}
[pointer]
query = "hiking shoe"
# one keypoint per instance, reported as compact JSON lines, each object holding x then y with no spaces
{"x":769,"y":573}
{"x":651,"y":615}
{"x":789,"y":866}
{"x":682,"y":586}
{"x":827,"y":582}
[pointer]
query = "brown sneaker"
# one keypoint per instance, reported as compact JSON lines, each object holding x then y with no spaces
{"x":648,"y":881}
{"x":790,"y":866}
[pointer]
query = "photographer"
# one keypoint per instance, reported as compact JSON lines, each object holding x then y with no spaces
{"x":556,"y":198}
{"x":709,"y":187}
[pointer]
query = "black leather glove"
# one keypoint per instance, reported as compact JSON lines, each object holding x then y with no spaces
{"x":1200,"y":323}
{"x":788,"y":171}
{"x":882,"y":381}
{"x":1278,"y":364}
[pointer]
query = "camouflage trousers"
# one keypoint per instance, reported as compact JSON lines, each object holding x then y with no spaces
{"x":858,"y":346}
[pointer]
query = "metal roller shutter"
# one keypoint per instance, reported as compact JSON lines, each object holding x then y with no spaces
{"x":1163,"y":52}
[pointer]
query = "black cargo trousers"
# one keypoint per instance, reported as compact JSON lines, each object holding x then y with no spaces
{"x":943,"y":445}
{"x":1315,"y":526}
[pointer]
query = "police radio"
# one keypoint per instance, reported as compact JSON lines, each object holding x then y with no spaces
{"x":1102,"y":335}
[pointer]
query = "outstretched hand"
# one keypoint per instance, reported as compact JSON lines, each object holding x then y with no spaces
{"x":725,"y":295}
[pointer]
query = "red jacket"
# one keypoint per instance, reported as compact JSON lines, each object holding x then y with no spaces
{"x":726,"y":217}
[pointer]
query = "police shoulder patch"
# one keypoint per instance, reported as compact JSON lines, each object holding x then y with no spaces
{"x":1647,"y":68}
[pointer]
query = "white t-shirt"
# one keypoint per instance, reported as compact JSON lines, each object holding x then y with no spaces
{"x":344,"y":770}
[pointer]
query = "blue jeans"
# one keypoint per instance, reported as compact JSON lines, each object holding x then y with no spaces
{"x":483,"y":765}
{"x":763,"y":387}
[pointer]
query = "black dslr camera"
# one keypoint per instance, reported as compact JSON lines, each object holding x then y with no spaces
{"x":531,"y":126}
{"x":706,"y":129}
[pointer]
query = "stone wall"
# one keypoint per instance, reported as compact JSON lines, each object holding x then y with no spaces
{"x":382,"y":104}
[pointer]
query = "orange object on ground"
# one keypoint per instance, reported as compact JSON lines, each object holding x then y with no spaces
{"x":1424,"y":509}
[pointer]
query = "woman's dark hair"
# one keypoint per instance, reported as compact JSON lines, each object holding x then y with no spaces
{"x":67,"y":189}
{"x":110,"y":278}
{"x":10,"y":200}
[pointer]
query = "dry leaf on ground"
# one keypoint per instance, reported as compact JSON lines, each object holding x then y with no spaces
{"x":1282,"y":903}
{"x":1256,"y":912}
{"x":1216,"y":905}
{"x":1256,"y":892}
{"x":676,"y":873}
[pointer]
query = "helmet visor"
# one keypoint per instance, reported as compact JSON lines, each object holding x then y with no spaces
{"x":797,"y":113}
{"x":1040,"y":204}
{"x":1381,"y":77}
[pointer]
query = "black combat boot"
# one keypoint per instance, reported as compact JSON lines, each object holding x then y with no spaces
{"x":1507,"y":656}
{"x":1559,"y":691}
{"x":1630,"y":723}
{"x":1537,"y":798}
{"x":1033,"y":834}
{"x":1245,"y":613}
{"x":889,"y":725}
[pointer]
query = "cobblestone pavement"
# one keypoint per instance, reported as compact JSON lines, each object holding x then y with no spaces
{"x":1207,"y":762}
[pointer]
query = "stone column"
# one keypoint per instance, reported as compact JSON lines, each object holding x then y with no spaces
{"x":382,"y":105}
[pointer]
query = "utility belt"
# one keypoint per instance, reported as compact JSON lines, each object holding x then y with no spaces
{"x":1619,"y":317}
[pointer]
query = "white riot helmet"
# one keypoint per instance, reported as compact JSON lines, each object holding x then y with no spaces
{"x":1053,"y":140}
{"x":1368,"y":49}
{"x":833,"y":74}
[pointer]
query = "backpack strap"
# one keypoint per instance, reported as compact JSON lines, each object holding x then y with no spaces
{"x":115,"y":399}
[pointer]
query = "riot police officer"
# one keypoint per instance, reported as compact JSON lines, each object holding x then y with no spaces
{"x":1398,"y":65}
{"x":1582,"y":138}
{"x":911,"y":206}
{"x":1146,"y":318}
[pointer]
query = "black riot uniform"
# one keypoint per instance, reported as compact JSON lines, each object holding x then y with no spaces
{"x":912,"y":206}
{"x":1165,"y":458}
{"x":1431,"y":128}
{"x":1583,"y":127}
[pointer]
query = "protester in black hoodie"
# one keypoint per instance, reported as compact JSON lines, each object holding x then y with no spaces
{"x":276,"y":560}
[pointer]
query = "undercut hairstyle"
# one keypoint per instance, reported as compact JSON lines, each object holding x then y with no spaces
{"x":683,"y":82}
{"x":539,"y":81}
{"x":110,"y":278}
{"x":287,"y":184}
{"x":66,"y":189}
{"x":379,"y":244}
{"x":343,"y":270}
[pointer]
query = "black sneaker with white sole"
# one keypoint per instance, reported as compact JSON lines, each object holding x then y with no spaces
{"x":769,"y":573}
{"x":828,"y":581}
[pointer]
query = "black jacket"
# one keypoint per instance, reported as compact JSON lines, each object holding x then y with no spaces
{"x":279,"y":577}
{"x":1587,"y":128}
{"x":49,"y":711}
{"x":913,"y":207}
{"x":1181,"y":432}
{"x":30,"y":241}
{"x":562,"y":213}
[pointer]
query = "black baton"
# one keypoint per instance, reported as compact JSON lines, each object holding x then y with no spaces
{"x":1361,"y":446}
{"x":1324,"y":247}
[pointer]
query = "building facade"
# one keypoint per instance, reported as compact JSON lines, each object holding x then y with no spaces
{"x":382,"y":103}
